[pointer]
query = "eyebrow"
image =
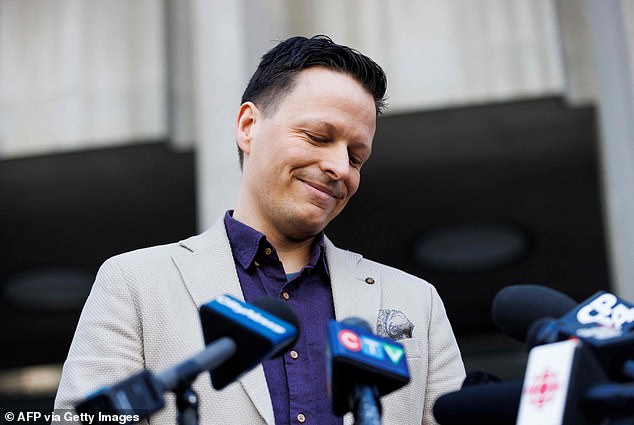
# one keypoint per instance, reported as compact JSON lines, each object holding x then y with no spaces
{"x":331,"y":128}
{"x":328,"y":126}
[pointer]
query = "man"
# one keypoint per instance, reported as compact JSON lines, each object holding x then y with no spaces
{"x":304,"y":131}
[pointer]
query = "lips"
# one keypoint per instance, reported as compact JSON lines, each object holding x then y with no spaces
{"x":332,"y":191}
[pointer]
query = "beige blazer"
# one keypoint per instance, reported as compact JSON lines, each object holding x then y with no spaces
{"x":142,"y":312}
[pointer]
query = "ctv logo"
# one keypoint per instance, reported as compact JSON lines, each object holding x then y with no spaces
{"x":369,"y":346}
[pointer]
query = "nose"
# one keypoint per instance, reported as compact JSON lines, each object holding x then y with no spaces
{"x":336,"y":162}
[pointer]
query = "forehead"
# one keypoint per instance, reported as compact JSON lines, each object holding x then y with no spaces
{"x":334,"y":99}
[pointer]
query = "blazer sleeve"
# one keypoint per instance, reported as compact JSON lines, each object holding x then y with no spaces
{"x":445,"y":369}
{"x":107,"y":345}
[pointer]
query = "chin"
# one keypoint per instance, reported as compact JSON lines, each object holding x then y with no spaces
{"x":304,"y":230}
{"x":303,"y":221}
{"x":307,"y":225}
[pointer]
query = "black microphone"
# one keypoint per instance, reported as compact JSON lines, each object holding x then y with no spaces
{"x":603,"y":321}
{"x":483,"y":404}
{"x":564,"y":385}
{"x":238,"y":337}
{"x":362,"y":367}
{"x":515,"y":308}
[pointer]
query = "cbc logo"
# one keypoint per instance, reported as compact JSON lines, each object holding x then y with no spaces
{"x":350,"y":340}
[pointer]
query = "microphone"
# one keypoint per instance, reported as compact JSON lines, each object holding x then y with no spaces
{"x":483,"y":404}
{"x":260,"y":334}
{"x":238,"y":337}
{"x":515,"y":308}
{"x":603,"y":321}
{"x":567,"y":376}
{"x":563,"y":385}
{"x":575,"y":356}
{"x":362,"y":367}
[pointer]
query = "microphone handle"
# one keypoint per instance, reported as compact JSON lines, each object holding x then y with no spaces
{"x":183,"y":374}
{"x":367,"y":405}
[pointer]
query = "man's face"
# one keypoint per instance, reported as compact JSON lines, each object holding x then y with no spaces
{"x":303,"y":160}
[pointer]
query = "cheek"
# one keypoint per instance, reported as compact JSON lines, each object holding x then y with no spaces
{"x":354,"y":182}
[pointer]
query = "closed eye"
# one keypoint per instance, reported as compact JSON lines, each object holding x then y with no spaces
{"x":356,"y":162}
{"x":316,"y":139}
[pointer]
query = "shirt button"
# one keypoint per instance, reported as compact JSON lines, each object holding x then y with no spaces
{"x":286,"y":295}
{"x":294,"y":354}
{"x":267,"y":251}
{"x":256,"y":264}
{"x":369,"y":281}
{"x":301,"y":418}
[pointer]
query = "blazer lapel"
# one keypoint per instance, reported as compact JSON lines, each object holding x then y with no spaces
{"x":208,"y":270}
{"x":356,"y":290}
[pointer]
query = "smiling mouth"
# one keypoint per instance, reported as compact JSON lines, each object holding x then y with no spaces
{"x":333,"y":193}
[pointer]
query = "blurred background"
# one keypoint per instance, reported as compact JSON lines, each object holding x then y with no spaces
{"x":506,"y":155}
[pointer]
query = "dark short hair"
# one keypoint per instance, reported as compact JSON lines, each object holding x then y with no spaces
{"x":278,"y":68}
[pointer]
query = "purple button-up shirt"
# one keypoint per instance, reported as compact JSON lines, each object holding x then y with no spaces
{"x":296,"y":380}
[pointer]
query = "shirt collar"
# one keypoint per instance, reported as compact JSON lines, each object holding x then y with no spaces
{"x":245,"y":243}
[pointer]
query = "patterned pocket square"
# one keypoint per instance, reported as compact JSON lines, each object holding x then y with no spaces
{"x":393,"y":324}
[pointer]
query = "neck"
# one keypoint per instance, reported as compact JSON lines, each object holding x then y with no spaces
{"x":293,"y":256}
{"x":293,"y":253}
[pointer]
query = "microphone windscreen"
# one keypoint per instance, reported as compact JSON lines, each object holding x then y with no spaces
{"x":487,"y":404}
{"x":516,"y":307}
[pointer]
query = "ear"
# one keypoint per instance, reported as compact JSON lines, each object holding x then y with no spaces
{"x":247,"y":115}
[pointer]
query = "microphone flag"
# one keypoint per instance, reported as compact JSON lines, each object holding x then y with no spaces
{"x":259,"y":334}
{"x":356,"y":355}
{"x":557,"y":378}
